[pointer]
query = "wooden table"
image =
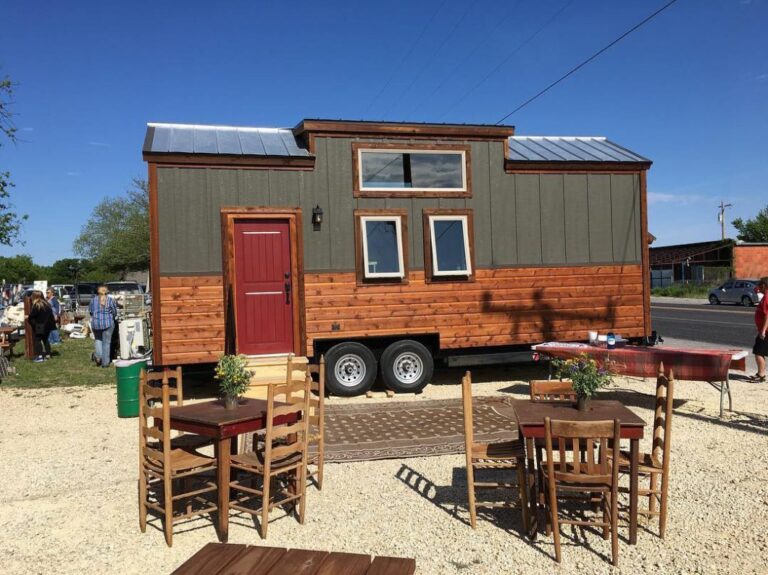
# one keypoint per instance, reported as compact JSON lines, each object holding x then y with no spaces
{"x":221,"y":559}
{"x":530,"y":422}
{"x":5,"y":333}
{"x":212,"y":419}
{"x":689,"y":364}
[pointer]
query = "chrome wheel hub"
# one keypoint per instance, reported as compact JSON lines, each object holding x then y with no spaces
{"x":408,"y":368}
{"x":350,"y":370}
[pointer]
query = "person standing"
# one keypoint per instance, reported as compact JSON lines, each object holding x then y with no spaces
{"x":53,"y":301}
{"x":760,"y":348}
{"x":103,"y":311}
{"x":41,"y":323}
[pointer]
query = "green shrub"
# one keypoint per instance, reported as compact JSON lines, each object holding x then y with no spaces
{"x":233,"y":376}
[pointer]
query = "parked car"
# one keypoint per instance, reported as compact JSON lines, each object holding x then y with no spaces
{"x":84,"y":293}
{"x":128,"y":287}
{"x":736,"y":291}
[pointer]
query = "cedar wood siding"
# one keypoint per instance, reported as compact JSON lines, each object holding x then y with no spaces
{"x":556,"y":254}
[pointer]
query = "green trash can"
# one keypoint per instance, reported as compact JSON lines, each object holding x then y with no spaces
{"x":128,"y":374}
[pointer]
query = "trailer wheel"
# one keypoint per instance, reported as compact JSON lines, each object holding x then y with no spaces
{"x":406,"y":366}
{"x":350,"y":369}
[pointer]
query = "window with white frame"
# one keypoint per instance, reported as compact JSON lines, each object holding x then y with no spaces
{"x":449,"y":244}
{"x":382,"y":238}
{"x":411,"y":170}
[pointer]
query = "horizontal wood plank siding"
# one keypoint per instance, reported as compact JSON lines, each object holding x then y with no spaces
{"x":503,"y":307}
{"x":192,"y":319}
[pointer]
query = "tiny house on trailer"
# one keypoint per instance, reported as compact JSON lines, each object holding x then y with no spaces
{"x":384,"y":245}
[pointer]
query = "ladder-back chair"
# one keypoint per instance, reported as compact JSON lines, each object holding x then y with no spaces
{"x":501,"y":456}
{"x":281,"y":456}
{"x":317,"y":423}
{"x":553,"y":391}
{"x":582,"y":469}
{"x":173,"y":378}
{"x":161,"y":464}
{"x":655,"y":465}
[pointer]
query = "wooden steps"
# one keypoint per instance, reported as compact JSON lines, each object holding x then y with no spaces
{"x":272,"y":369}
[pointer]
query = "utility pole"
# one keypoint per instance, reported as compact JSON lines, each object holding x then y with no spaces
{"x":721,"y":216}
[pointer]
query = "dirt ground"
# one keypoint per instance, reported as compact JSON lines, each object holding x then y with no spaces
{"x":69,"y":498}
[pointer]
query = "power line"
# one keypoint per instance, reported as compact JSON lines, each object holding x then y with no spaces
{"x":467,"y":58}
{"x":429,"y":60}
{"x":588,"y":60}
{"x":397,"y":68}
{"x":501,"y":64}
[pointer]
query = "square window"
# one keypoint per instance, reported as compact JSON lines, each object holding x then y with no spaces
{"x":447,"y":239}
{"x":381,"y":253}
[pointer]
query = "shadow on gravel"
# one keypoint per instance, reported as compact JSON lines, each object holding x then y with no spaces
{"x":450,"y":498}
{"x":738,"y":420}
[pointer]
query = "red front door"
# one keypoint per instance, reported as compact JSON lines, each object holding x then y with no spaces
{"x":263,"y":294}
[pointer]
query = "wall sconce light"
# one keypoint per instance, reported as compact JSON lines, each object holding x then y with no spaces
{"x":317,"y":216}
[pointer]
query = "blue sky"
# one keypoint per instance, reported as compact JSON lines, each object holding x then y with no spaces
{"x":688,"y":90}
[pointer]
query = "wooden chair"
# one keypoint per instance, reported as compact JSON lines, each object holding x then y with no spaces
{"x":655,"y":464}
{"x":161,"y":464}
{"x":173,"y":379}
{"x":552,"y":390}
{"x":317,"y":423}
{"x":508,"y":455}
{"x":548,"y":390}
{"x":582,"y":470}
{"x":281,"y":457}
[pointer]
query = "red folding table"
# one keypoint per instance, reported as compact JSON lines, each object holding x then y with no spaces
{"x":710,"y":365}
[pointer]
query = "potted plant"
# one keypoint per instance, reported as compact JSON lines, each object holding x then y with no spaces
{"x":233,"y":378}
{"x":586,"y":375}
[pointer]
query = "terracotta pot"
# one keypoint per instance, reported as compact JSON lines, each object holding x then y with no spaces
{"x":230,"y":401}
{"x":582,"y":403}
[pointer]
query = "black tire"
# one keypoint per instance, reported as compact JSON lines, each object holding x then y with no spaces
{"x":746,"y":301}
{"x":350,"y":369}
{"x":713,"y":300}
{"x":406,"y":366}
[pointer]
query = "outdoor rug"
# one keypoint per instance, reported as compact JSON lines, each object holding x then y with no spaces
{"x":364,"y":432}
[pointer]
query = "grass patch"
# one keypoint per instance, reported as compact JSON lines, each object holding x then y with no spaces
{"x":70,"y":365}
{"x":686,"y":290}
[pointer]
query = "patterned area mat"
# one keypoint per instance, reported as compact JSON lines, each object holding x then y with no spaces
{"x":362,"y":432}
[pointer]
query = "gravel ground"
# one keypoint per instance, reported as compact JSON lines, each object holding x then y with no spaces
{"x":69,"y":498}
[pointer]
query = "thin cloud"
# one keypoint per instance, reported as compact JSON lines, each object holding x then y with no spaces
{"x":73,"y":174}
{"x":761,"y":77}
{"x":679,"y":199}
{"x":99,"y":144}
{"x":27,"y":129}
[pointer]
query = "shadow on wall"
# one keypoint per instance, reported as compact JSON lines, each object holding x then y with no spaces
{"x":545,"y":314}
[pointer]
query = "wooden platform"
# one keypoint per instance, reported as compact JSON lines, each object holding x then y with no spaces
{"x":229,"y":559}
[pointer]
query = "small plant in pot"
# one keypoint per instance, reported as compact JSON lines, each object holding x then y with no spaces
{"x":586,"y":375}
{"x":233,"y":378}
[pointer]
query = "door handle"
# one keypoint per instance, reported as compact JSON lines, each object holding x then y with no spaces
{"x":287,"y":291}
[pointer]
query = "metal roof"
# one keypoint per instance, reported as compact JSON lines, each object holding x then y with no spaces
{"x":228,"y":140}
{"x":569,"y":149}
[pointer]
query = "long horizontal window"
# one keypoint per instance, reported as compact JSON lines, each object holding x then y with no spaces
{"x":411,"y":171}
{"x":448,"y":243}
{"x":382,"y":239}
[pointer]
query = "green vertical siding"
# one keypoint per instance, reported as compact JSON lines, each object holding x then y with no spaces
{"x":528,"y":218}
{"x":520,"y":219}
{"x":552,"y":219}
{"x":600,"y":229}
{"x":577,"y":218}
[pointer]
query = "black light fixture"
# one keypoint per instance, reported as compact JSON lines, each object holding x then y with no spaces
{"x":317,"y":216}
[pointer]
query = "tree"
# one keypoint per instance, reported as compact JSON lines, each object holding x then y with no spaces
{"x":10,"y":221}
{"x":20,"y":269}
{"x":755,"y":230}
{"x":116,"y":236}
